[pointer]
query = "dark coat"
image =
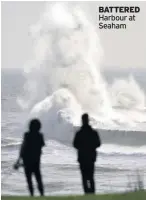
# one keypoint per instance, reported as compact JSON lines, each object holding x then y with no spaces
{"x":86,"y":141}
{"x":31,"y":148}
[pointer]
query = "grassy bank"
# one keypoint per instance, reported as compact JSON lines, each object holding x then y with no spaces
{"x":128,"y":196}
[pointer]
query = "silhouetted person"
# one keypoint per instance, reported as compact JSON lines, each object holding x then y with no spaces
{"x":86,"y":141}
{"x":30,"y":154}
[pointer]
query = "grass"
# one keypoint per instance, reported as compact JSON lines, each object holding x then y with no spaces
{"x":126,"y":196}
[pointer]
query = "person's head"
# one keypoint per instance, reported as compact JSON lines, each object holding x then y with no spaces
{"x":85,"y":119}
{"x":34,"y":125}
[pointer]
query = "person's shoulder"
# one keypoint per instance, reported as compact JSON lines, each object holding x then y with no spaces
{"x":26,"y":134}
{"x":41,"y":135}
{"x":41,"y":138}
{"x":79,"y":130}
{"x":94,"y":131}
{"x":77,"y":133}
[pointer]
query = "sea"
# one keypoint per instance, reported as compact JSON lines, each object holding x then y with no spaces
{"x":121,"y":159}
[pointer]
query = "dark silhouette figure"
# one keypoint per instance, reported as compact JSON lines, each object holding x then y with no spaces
{"x":30,"y":154}
{"x":86,"y":141}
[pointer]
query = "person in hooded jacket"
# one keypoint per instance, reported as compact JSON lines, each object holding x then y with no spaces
{"x":30,"y":154}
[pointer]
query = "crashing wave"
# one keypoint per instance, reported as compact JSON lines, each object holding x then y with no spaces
{"x":64,"y":78}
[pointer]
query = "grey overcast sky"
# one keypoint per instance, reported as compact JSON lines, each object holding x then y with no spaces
{"x":122,"y":48}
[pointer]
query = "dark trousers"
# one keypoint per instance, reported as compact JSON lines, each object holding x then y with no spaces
{"x":30,"y":170}
{"x":87,"y":172}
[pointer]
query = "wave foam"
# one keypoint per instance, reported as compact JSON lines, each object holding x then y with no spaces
{"x":64,"y":78}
